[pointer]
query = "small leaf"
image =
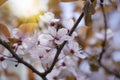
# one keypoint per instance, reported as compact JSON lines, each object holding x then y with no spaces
{"x":68,"y":0}
{"x":14,"y":40}
{"x":2,"y":2}
{"x":4,"y":30}
{"x":88,"y":10}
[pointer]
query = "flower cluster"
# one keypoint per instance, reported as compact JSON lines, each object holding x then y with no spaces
{"x":41,"y":47}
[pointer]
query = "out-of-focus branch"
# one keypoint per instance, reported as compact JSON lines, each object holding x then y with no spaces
{"x":105,"y":35}
{"x":104,"y":44}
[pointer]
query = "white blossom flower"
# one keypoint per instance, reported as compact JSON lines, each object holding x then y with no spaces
{"x":69,"y":24}
{"x":48,"y":58}
{"x":43,"y":54}
{"x":48,"y":17}
{"x":73,"y":49}
{"x":3,"y":62}
{"x":58,"y":36}
{"x":4,"y":57}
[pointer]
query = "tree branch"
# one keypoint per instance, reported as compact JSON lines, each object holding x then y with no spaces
{"x":104,"y":44}
{"x":20,"y":60}
{"x":61,"y":47}
{"x":105,"y":35}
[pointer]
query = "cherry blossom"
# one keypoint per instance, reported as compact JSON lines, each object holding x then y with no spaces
{"x":73,"y":49}
{"x":4,"y":57}
{"x":49,"y":18}
{"x":68,"y":24}
{"x":2,"y":61}
{"x":43,"y":54}
{"x":58,"y":36}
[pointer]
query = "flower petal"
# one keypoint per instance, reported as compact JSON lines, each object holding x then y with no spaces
{"x":52,"y":31}
{"x":47,"y":17}
{"x":59,"y":42}
{"x":61,"y":32}
{"x":66,"y":38}
{"x":68,"y":23}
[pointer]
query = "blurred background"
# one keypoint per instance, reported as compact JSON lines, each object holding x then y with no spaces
{"x":14,"y":13}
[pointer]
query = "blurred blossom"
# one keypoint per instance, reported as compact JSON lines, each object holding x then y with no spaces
{"x":27,"y":8}
{"x":116,"y":41}
{"x":116,"y":56}
{"x":85,"y":67}
{"x":3,"y":58}
{"x":100,"y":35}
{"x":114,"y":21}
{"x":48,"y":17}
{"x":68,"y":23}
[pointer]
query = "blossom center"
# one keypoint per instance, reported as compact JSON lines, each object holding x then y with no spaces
{"x":40,"y":56}
{"x":2,"y":58}
{"x":72,"y":51}
{"x":56,"y":38}
{"x":52,"y":24}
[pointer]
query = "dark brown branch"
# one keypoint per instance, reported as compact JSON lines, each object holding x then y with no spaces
{"x":104,"y":45}
{"x":105,"y":35}
{"x":61,"y":47}
{"x":20,"y":60}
